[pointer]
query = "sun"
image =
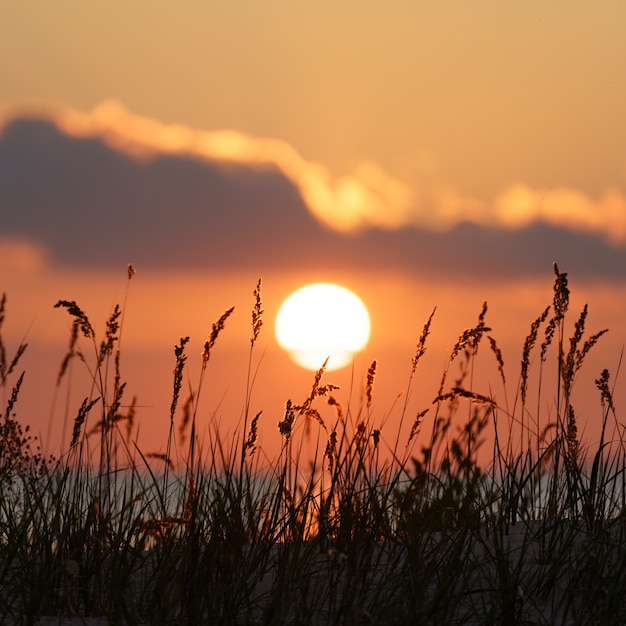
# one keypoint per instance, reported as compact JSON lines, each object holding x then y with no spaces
{"x":322,"y":320}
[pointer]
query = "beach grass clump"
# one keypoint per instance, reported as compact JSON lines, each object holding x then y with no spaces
{"x":473,"y":511}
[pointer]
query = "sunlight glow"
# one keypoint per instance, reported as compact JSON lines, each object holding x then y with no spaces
{"x":322,"y":320}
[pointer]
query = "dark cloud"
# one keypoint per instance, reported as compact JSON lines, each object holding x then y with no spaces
{"x":91,"y":205}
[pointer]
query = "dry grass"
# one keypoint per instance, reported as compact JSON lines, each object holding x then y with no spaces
{"x":365,"y":531}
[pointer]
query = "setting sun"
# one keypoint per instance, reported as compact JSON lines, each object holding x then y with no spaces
{"x":322,"y":320}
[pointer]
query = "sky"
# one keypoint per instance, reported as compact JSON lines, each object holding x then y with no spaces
{"x":425,"y":155}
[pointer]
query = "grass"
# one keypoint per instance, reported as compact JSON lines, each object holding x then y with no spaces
{"x":422,"y":531}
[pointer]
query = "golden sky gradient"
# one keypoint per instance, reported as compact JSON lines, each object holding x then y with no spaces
{"x":381,"y":116}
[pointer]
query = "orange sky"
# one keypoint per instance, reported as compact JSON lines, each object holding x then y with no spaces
{"x":378,"y":117}
{"x":162,"y":307}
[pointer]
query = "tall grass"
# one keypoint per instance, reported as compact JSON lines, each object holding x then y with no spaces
{"x":418,"y":526}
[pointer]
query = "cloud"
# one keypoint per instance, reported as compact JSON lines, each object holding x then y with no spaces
{"x":366,"y":198}
{"x":520,"y":206}
{"x":108,"y":187}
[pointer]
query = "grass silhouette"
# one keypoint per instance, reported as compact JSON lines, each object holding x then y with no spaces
{"x":422,"y":531}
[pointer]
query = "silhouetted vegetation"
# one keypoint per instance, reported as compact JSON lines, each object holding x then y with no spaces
{"x":361,"y":531}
